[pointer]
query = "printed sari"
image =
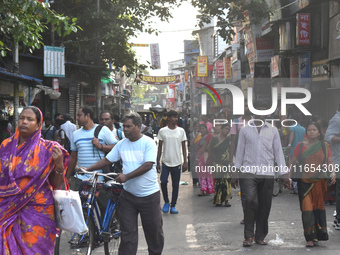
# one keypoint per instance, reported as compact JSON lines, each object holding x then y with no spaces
{"x":312,"y":189}
{"x":27,"y":221}
{"x":219,"y":155}
{"x":205,"y":177}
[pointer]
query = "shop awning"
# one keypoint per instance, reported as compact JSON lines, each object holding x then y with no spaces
{"x":5,"y":74}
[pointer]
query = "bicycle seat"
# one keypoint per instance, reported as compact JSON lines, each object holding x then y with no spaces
{"x":113,"y":186}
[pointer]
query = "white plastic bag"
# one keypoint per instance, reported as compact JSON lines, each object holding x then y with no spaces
{"x":68,"y":211}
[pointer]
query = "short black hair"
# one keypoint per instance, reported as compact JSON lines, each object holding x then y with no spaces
{"x":87,"y":110}
{"x":35,"y":110}
{"x":135,"y":117}
{"x":172,"y":113}
{"x":67,"y":116}
{"x":111,"y":114}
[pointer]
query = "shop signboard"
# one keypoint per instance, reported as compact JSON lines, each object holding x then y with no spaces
{"x":304,"y":66}
{"x":227,"y":68}
{"x":219,"y":69}
{"x":303,"y":29}
{"x":275,"y":66}
{"x":320,"y":70}
{"x":155,"y":57}
{"x":264,"y":49}
{"x":202,"y":66}
{"x":54,"y":61}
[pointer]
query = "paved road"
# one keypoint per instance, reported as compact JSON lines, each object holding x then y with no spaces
{"x":201,"y":228}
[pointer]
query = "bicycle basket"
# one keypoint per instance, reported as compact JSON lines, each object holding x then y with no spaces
{"x":113,"y":187}
{"x":85,"y":187}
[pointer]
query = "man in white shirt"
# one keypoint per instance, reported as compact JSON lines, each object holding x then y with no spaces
{"x":259,"y":145}
{"x":173,"y":138}
{"x":141,"y":191}
{"x":107,"y":119}
{"x":68,"y":126}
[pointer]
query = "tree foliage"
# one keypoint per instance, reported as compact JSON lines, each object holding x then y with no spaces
{"x":107,"y":31}
{"x":229,"y":11}
{"x":24,"y":21}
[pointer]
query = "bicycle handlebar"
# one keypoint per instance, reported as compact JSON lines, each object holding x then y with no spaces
{"x":81,"y":170}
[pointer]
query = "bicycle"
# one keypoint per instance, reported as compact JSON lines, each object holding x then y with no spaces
{"x":105,"y":231}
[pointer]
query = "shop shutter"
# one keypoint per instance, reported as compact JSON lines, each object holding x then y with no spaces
{"x":63,"y":100}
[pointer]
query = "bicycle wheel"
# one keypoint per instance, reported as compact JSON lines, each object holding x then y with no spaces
{"x":111,"y":246}
{"x":276,"y":187}
{"x":71,"y":243}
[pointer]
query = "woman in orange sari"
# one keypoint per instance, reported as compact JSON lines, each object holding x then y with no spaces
{"x":30,"y":167}
{"x":315,"y":160}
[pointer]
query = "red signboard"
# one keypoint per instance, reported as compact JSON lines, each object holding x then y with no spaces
{"x":219,"y":69}
{"x":303,"y":29}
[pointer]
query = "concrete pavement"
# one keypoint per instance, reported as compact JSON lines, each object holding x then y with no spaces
{"x":202,"y":228}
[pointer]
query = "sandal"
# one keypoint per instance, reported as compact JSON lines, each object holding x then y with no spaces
{"x":310,"y":244}
{"x":261,"y":242}
{"x":247,"y":242}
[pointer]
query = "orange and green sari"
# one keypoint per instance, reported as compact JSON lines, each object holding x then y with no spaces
{"x":312,"y":189}
{"x":27,"y":221}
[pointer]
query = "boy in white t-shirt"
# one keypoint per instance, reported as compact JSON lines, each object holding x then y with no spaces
{"x":173,"y":138}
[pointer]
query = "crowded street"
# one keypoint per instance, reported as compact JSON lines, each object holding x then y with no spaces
{"x":201,"y":228}
{"x":169,"y":127}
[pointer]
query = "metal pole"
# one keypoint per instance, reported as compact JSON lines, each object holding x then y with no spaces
{"x":99,"y":85}
{"x":16,"y":84}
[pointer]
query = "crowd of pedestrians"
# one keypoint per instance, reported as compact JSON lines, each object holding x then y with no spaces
{"x":41,"y":152}
{"x":250,"y":148}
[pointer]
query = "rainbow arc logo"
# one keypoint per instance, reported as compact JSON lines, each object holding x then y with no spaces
{"x":209,"y":93}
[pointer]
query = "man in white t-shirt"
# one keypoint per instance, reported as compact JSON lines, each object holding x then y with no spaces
{"x":141,"y":191}
{"x":173,"y":138}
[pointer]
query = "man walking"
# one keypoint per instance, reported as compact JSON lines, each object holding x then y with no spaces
{"x":87,"y":150}
{"x":68,"y":126}
{"x":107,"y":119}
{"x":141,"y":191}
{"x":258,"y":146}
{"x":332,"y":136}
{"x":234,"y":132}
{"x":173,"y":138}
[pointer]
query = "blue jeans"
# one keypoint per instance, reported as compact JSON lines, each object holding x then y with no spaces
{"x":175,"y":177}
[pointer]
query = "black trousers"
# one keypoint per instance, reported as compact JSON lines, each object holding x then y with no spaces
{"x":258,"y":191}
{"x":150,"y":212}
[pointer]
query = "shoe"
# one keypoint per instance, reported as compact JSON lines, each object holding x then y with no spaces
{"x":173,"y":210}
{"x":336,"y":225}
{"x":334,"y":213}
{"x":166,"y":208}
{"x":242,"y":222}
{"x":227,"y":204}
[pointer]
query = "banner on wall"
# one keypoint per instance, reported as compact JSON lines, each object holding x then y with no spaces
{"x":202,"y":66}
{"x":160,"y":80}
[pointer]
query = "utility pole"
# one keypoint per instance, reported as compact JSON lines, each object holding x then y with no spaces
{"x":16,"y":84}
{"x":98,"y":59}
